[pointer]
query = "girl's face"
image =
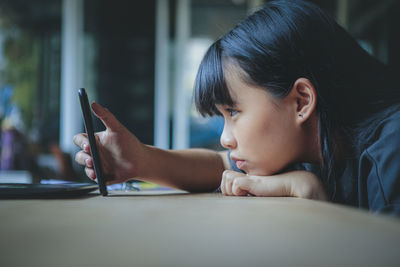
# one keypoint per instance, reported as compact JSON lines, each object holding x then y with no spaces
{"x":262,"y":131}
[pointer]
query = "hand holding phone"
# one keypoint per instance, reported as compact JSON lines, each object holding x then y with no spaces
{"x":87,"y":117}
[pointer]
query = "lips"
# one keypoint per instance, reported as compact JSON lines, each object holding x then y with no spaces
{"x":239,"y":162}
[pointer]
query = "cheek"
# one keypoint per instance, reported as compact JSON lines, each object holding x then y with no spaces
{"x":273,"y":147}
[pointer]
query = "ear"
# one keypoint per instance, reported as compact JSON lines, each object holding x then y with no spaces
{"x":305,"y":96}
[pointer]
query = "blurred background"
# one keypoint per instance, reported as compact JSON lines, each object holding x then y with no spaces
{"x":138,"y":59}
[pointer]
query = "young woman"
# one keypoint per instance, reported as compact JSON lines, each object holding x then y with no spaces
{"x":308,"y":113}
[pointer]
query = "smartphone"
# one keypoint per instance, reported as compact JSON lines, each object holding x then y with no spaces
{"x":87,"y":118}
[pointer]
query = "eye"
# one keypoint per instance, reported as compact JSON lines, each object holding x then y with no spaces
{"x":232,"y":112}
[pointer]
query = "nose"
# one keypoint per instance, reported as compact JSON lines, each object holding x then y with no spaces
{"x":227,"y":140}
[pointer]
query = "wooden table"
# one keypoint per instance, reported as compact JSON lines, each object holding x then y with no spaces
{"x":175,"y":229}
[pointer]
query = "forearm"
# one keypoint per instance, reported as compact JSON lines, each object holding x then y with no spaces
{"x":302,"y":184}
{"x":194,"y":170}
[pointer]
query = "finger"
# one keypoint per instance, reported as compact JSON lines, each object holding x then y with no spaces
{"x":225,"y":185}
{"x":90,"y":173}
{"x":228,"y":185}
{"x":84,"y":158}
{"x":89,"y":162}
{"x":222,"y":186}
{"x":229,"y":177}
{"x":106,"y":117}
{"x":240,"y":186}
{"x":82,"y":141}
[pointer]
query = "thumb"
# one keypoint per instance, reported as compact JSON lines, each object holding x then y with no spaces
{"x":106,"y":117}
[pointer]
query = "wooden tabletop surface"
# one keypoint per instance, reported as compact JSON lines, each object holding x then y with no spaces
{"x":172,"y":228}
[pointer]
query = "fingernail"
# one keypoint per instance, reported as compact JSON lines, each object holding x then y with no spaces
{"x":87,"y":162}
{"x":96,"y":107}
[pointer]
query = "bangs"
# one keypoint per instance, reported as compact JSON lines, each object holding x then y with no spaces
{"x":210,"y":86}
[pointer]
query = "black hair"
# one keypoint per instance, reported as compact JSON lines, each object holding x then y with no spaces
{"x":287,"y":40}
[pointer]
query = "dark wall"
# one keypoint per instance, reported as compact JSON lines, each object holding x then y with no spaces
{"x":394,"y":38}
{"x":124,"y":35}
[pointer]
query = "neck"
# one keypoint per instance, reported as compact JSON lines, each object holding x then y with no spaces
{"x":312,"y":145}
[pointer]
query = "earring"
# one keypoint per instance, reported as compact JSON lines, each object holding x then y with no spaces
{"x":301,"y":115}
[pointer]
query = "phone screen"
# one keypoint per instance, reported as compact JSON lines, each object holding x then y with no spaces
{"x":87,"y":118}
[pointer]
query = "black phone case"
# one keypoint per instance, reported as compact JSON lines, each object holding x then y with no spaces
{"x":87,"y":117}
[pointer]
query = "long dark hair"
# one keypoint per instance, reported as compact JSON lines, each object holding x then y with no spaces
{"x":286,"y":40}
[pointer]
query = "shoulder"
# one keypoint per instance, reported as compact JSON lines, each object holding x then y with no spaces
{"x":385,"y":139}
{"x":380,"y":162}
{"x":386,"y":135}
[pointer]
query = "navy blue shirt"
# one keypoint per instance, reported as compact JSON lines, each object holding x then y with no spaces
{"x":372,"y":179}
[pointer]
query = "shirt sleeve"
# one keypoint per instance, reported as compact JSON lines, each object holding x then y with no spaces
{"x":381,"y":166}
